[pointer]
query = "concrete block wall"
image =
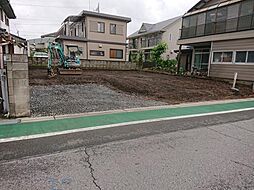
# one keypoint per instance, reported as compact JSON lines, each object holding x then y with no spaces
{"x":18,"y":85}
{"x":108,"y":65}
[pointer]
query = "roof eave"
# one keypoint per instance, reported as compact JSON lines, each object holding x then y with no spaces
{"x":6,"y":6}
{"x":197,"y":4}
{"x":144,"y":34}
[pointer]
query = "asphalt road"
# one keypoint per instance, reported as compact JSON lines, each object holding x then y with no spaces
{"x":213,"y":152}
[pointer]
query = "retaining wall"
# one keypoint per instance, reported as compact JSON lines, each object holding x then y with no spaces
{"x":91,"y":64}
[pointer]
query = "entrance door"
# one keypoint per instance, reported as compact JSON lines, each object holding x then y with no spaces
{"x":201,"y":60}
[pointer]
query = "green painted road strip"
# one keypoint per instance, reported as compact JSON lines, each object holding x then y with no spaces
{"x":36,"y":128}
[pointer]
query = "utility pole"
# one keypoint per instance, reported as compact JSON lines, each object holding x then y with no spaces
{"x":89,"y":5}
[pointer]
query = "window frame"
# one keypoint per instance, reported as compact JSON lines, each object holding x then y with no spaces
{"x":98,"y":51}
{"x":222,"y":62}
{"x":116,"y":54}
{"x":234,"y":57}
{"x":98,"y":27}
{"x":246,"y":57}
{"x":110,"y":29}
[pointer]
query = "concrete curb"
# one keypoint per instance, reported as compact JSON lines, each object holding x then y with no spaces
{"x":50,"y":118}
{"x":10,"y":122}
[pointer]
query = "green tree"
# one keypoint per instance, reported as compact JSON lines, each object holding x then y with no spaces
{"x":156,"y":53}
{"x":140,"y":59}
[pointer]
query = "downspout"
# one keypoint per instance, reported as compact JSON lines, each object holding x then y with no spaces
{"x":3,"y":78}
{"x":210,"y":59}
{"x":179,"y":59}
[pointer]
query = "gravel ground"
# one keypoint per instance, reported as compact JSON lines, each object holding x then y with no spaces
{"x":70,"y":99}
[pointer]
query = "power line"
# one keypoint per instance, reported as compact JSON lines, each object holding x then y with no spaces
{"x":41,"y":19}
{"x":32,"y":24}
{"x":48,"y":6}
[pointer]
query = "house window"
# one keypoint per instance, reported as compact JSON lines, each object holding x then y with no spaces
{"x":112,"y":28}
{"x":227,"y":57}
{"x":201,"y":24}
{"x":232,"y":17}
{"x":97,"y":53}
{"x":217,"y":57}
{"x":185,"y":28}
{"x":223,"y":57}
{"x":101,"y":27}
{"x":143,"y":42}
{"x":246,"y":12}
{"x":193,"y":24}
{"x":250,"y":57}
{"x":240,"y":56}
{"x":201,"y":59}
{"x":170,"y":37}
{"x":221,"y":20}
{"x":210,"y":22}
{"x":6,"y":21}
{"x":116,"y":54}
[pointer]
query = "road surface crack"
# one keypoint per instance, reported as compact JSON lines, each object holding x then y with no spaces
{"x":91,"y":169}
{"x":225,"y":135}
{"x":242,"y":164}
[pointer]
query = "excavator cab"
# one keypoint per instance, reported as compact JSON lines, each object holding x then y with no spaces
{"x":65,"y":65}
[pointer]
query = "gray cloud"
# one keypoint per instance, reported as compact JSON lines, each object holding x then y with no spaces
{"x":33,"y":21}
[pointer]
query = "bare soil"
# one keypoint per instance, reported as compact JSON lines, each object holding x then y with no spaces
{"x":166,"y":88}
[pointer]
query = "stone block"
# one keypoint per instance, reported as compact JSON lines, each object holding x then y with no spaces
{"x":20,"y":74}
{"x":21,"y":99}
{"x":20,"y":66}
{"x":11,"y":91}
{"x":20,"y":83}
{"x":17,"y":58}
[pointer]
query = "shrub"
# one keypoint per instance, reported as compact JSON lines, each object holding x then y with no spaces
{"x":168,"y":65}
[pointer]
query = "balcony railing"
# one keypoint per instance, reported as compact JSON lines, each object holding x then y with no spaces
{"x":231,"y":25}
{"x":133,"y":46}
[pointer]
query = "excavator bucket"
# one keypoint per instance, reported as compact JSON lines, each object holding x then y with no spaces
{"x":63,"y":71}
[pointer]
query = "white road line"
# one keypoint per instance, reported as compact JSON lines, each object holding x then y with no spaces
{"x":5,"y":140}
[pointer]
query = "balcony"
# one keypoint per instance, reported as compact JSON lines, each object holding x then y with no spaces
{"x":133,"y":46}
{"x":231,"y":25}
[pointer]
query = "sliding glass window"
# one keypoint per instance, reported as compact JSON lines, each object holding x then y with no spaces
{"x":201,"y":24}
{"x":193,"y":25}
{"x":232,"y":18}
{"x":221,"y":20}
{"x":246,"y":14}
{"x":210,"y":22}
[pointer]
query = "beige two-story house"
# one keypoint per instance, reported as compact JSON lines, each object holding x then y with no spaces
{"x":221,"y":34}
{"x":94,"y":36}
{"x":150,"y":35}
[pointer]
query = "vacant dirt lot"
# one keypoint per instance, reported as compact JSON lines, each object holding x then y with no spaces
{"x":165,"y":88}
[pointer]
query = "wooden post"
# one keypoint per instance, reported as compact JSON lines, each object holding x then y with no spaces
{"x":179,"y":59}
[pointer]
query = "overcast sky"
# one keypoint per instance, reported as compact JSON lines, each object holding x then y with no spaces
{"x":37,"y":17}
